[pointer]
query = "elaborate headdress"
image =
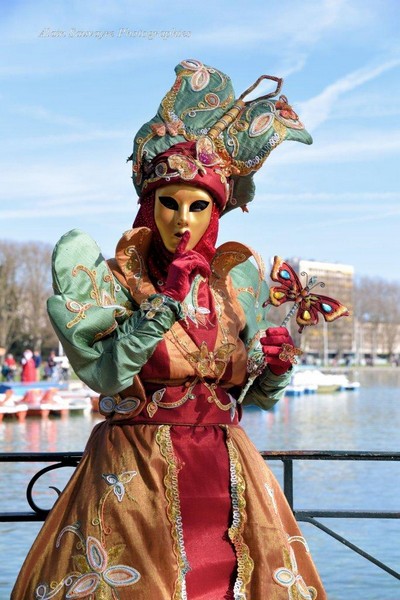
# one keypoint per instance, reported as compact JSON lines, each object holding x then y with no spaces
{"x":217,"y":135}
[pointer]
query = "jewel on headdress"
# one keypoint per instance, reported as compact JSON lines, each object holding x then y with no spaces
{"x":186,"y":166}
{"x":206,"y":153}
{"x":285,"y":110}
{"x":209,"y":156}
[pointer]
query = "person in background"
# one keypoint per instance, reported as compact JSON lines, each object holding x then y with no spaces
{"x":28,"y":373}
{"x":50,"y":366}
{"x":9,"y":368}
{"x":38,"y":361}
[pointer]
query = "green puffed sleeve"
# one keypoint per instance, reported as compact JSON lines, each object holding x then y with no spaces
{"x":252,"y":291}
{"x":106,"y":337}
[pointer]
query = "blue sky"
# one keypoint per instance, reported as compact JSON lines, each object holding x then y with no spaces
{"x":71,"y":104}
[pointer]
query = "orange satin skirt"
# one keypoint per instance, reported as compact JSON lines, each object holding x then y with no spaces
{"x":170,"y":512}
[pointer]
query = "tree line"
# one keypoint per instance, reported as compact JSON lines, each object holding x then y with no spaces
{"x":25,"y":285}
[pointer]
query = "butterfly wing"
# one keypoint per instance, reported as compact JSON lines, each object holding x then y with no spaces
{"x":290,"y":286}
{"x":329,"y":308}
{"x":221,"y":358}
{"x":314,"y":305}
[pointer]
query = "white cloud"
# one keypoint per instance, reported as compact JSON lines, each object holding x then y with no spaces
{"x":347,"y":147}
{"x":317,"y":110}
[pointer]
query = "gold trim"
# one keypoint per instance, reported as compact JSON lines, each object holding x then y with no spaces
{"x":163,"y":439}
{"x":245,"y":564}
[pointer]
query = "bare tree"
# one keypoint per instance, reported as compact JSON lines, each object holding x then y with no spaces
{"x":25,"y":284}
{"x":377,"y":303}
{"x":10,"y":292}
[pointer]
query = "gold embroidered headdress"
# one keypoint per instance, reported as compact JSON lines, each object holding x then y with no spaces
{"x":232,"y":136}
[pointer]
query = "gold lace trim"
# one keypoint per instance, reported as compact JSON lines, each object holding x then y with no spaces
{"x":163,"y":439}
{"x":245,"y":564}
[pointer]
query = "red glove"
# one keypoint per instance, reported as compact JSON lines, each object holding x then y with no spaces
{"x":186,"y":264}
{"x":272,"y":347}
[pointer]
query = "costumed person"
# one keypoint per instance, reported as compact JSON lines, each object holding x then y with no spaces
{"x":28,"y":372}
{"x":171,"y":500}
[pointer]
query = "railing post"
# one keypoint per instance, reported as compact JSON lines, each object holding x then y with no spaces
{"x":288,"y":480}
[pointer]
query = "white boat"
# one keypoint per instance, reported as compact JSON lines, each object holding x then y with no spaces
{"x":294,"y":390}
{"x":78,"y":400}
{"x":314,"y":380}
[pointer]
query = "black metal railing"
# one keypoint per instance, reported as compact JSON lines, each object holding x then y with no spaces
{"x":61,"y":460}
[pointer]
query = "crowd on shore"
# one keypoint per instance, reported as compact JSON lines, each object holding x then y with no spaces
{"x":31,"y":367}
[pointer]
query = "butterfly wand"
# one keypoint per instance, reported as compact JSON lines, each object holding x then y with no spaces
{"x":307,"y":306}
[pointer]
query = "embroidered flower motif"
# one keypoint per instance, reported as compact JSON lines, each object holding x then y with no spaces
{"x":117,"y":482}
{"x":261,"y":124}
{"x":201,"y":76}
{"x":114,"y":576}
{"x":152,"y":406}
{"x":97,"y":576}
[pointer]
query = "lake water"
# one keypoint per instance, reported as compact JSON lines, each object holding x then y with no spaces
{"x":368,"y":419}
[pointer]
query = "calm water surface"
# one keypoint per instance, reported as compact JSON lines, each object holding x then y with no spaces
{"x":365,"y":420}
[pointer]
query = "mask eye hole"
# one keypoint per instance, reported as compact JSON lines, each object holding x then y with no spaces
{"x":199,"y":205}
{"x":168,"y":202}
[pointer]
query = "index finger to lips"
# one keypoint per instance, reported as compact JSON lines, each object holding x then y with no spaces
{"x":181,"y":247}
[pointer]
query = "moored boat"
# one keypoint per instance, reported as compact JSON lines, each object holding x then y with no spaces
{"x":11,"y":406}
{"x":314,"y":380}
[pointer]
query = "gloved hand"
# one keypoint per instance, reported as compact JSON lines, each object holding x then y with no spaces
{"x":271,"y":344}
{"x":185,"y":265}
